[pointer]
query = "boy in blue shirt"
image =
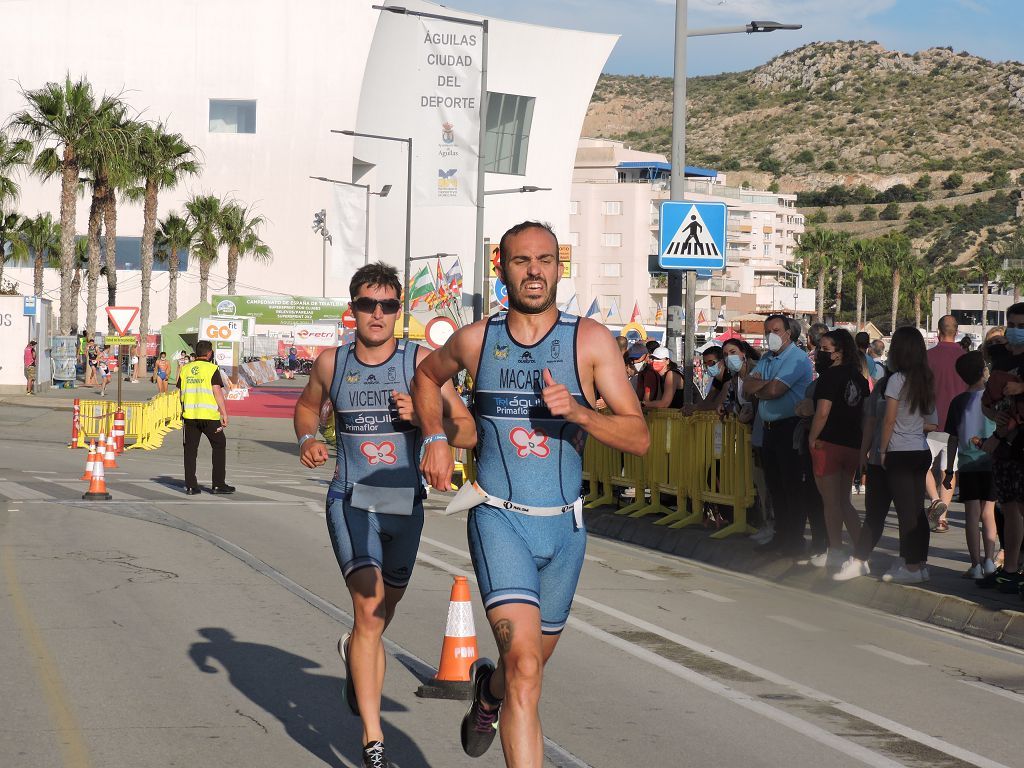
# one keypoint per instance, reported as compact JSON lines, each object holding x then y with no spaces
{"x":968,"y":428}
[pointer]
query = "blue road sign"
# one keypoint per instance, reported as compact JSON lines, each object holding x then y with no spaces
{"x":500,"y":293}
{"x":692,"y":235}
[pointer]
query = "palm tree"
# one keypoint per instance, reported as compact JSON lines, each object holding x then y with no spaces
{"x":64,"y":118}
{"x":840,"y":259}
{"x":204,"y":216}
{"x":42,"y":237}
{"x":986,"y":267}
{"x":13,"y":153}
{"x":949,"y":280}
{"x":173,"y":236}
{"x":1012,"y":250}
{"x":917,"y":279}
{"x":164,"y":159}
{"x":239,"y":231}
{"x":817,"y":250}
{"x":1015,"y":277}
{"x":12,"y":239}
{"x":893,"y":257}
{"x":860,"y":255}
{"x":81,"y":262}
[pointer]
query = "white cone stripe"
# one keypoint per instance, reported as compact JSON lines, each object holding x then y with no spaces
{"x":460,"y":620}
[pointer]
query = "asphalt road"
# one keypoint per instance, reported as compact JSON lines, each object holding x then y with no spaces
{"x":162,"y":630}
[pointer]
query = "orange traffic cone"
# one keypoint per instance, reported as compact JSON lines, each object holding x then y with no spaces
{"x":458,"y":652}
{"x":110,"y":458}
{"x":97,"y":486}
{"x":90,"y":461}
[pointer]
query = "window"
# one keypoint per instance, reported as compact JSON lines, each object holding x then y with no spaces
{"x":232,"y":116}
{"x":129,"y":255}
{"x":613,"y":208}
{"x":767,"y":249}
{"x":574,"y":207}
{"x":611,"y":270}
{"x":611,"y":239}
{"x":574,"y":239}
{"x":507,"y":141}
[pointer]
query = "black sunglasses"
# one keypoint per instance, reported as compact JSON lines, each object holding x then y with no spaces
{"x":368,"y":305}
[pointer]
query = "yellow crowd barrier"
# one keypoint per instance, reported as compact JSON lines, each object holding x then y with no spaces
{"x":145,"y":424}
{"x":698,"y":459}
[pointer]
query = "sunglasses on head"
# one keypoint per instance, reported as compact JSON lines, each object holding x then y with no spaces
{"x":368,"y":305}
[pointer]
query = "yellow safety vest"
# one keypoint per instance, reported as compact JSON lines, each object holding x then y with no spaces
{"x":197,"y":400}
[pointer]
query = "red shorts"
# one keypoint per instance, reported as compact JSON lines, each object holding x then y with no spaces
{"x":831,"y":459}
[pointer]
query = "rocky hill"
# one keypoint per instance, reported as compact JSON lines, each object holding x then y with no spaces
{"x":845,"y":113}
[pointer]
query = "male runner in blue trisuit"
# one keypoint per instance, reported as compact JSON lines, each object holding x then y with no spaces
{"x":535,"y":371}
{"x":375,"y":502}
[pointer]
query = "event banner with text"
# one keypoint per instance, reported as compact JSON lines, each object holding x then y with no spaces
{"x":442,"y":92}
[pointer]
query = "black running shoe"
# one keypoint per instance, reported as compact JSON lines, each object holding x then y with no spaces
{"x":373,"y":756}
{"x":350,"y":686}
{"x":1009,"y":583}
{"x":988,"y":581}
{"x":479,"y":725}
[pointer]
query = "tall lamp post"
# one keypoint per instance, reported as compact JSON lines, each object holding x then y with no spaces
{"x":678,"y":192}
{"x":408,"y":216}
{"x":320,"y":219}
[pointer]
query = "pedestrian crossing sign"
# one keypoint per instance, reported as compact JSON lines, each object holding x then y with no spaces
{"x":692,"y":235}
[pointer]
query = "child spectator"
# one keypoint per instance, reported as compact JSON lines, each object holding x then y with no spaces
{"x":968,"y":428}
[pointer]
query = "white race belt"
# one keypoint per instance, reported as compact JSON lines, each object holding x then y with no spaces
{"x":471,"y":495}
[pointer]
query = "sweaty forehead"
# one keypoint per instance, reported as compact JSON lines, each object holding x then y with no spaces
{"x":532,"y":241}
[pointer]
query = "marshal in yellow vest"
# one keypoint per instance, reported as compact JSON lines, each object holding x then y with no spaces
{"x":197,"y":400}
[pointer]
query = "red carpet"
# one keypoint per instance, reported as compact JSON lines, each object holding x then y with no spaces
{"x":276,"y":403}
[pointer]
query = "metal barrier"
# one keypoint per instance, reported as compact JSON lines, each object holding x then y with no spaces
{"x":699,"y":459}
{"x":145,"y":423}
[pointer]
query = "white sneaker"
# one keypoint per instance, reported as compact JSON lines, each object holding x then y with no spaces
{"x":818,"y":561}
{"x":988,"y":567}
{"x":901,"y":575}
{"x":926,"y":575}
{"x":851,"y":569}
{"x":974,"y":572}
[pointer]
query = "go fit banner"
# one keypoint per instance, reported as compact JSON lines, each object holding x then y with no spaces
{"x":221,"y":328}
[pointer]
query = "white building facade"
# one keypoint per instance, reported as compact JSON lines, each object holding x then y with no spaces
{"x":615,"y":208}
{"x":258,"y":87}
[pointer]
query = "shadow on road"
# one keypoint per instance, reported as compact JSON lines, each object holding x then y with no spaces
{"x":311,"y":707}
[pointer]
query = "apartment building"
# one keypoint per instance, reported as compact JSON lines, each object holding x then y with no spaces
{"x":614,"y":217}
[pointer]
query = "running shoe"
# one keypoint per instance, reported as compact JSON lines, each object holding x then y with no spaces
{"x":1009,"y":583}
{"x":350,"y":686}
{"x":903,"y":575}
{"x":479,"y":725}
{"x":935,"y":512}
{"x":373,"y":756}
{"x":988,"y":566}
{"x":988,"y":581}
{"x":851,"y":569}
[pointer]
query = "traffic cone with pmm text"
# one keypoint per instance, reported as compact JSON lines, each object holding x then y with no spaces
{"x":458,"y":651}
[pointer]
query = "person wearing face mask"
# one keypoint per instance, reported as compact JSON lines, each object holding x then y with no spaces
{"x":740,"y":359}
{"x":670,"y":389}
{"x":712,"y":359}
{"x":835,"y":437}
{"x":779,"y":382}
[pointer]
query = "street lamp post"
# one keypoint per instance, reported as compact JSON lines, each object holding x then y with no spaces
{"x":408,"y":217}
{"x":384,"y":192}
{"x":678,"y":191}
{"x":320,"y":227}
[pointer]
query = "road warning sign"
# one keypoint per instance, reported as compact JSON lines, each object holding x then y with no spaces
{"x":692,"y":235}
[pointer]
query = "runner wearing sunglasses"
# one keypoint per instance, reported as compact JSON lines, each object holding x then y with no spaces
{"x":535,"y":371}
{"x":375,"y":501}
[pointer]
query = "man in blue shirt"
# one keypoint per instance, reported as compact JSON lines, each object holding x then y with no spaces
{"x":779,"y":382}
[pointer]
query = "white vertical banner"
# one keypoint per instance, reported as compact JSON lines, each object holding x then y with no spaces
{"x":446,"y":128}
{"x":346,"y":221}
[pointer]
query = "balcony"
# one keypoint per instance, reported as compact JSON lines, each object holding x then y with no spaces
{"x":715,"y":285}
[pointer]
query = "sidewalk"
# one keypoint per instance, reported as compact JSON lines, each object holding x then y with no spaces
{"x":947,"y":600}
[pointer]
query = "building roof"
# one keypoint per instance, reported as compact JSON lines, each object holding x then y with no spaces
{"x":655,"y":165}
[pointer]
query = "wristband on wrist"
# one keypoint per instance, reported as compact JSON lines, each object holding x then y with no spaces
{"x":304,"y":438}
{"x":431,"y":439}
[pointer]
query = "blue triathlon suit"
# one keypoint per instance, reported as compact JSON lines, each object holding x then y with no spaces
{"x":531,"y":458}
{"x":375,"y":449}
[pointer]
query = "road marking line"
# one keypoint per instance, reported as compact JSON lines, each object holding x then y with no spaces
{"x":710,"y":596}
{"x":795,"y":623}
{"x":892,"y":655}
{"x":265,"y":493}
{"x":593,"y":559}
{"x":42,"y":472}
{"x":114,"y":491}
{"x":993,"y":689}
{"x":160,"y":487}
{"x":18,"y":492}
{"x":69,"y":733}
{"x":643,"y":575}
{"x":772,"y":677}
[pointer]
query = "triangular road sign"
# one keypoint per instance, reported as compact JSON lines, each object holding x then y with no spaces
{"x":122,"y":318}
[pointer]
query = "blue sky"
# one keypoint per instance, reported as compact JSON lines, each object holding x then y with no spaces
{"x":988,"y":28}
